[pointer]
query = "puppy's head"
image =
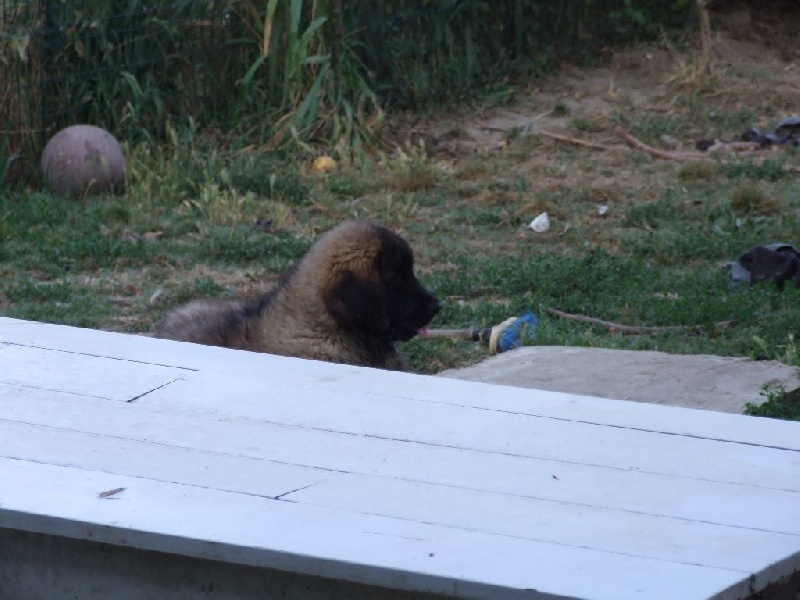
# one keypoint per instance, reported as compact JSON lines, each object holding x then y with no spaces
{"x":371,"y":288}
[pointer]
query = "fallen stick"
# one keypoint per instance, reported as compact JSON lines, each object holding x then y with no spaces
{"x":686,"y":156}
{"x":733,"y":147}
{"x":632,"y":329}
{"x":574,"y":141}
{"x":679,"y":156}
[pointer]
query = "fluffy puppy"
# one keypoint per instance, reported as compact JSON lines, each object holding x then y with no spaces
{"x":349,"y":300}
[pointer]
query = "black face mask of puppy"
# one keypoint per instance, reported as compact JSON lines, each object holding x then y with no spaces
{"x":396,"y":306}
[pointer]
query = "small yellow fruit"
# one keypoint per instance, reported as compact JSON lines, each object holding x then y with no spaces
{"x":323,"y":164}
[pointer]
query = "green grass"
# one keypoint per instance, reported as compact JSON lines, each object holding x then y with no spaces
{"x":185,"y":229}
{"x":778,"y":404}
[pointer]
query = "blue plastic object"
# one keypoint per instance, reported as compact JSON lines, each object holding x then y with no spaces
{"x":511,"y":336}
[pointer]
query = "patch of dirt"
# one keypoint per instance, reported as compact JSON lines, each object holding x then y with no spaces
{"x":649,"y":91}
{"x":754,"y":49}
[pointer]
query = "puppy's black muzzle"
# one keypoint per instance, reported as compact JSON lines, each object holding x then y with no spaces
{"x":423,"y":306}
{"x":432,"y":308}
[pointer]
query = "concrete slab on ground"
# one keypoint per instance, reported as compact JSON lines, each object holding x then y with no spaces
{"x":706,"y":382}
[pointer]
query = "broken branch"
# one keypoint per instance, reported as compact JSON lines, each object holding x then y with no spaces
{"x":679,"y":156}
{"x":632,"y":329}
{"x":686,"y":156}
{"x":574,"y":141}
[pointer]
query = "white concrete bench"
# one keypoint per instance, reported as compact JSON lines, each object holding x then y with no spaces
{"x":141,"y":468}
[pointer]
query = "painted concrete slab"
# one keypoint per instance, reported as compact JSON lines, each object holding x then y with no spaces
{"x":706,"y":382}
{"x":406,"y":482}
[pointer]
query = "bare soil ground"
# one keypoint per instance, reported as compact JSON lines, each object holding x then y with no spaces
{"x":755,"y":67}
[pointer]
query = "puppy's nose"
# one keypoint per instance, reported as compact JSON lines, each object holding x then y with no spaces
{"x":434,"y":306}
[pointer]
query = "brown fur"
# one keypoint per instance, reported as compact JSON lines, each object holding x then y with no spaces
{"x":349,"y":300}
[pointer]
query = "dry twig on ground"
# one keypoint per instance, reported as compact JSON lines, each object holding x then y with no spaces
{"x":678,"y":156}
{"x":575,"y":141}
{"x":686,"y":156}
{"x":733,"y":147}
{"x":632,"y":329}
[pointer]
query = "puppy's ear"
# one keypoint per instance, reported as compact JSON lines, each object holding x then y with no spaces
{"x":356,"y":303}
